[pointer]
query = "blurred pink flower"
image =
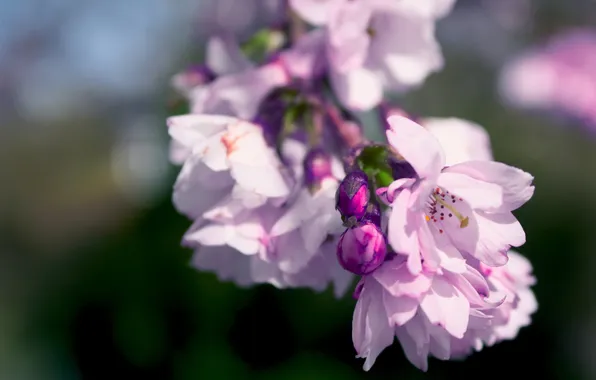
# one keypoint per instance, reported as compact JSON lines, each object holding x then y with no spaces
{"x":374,"y":46}
{"x":240,"y":94}
{"x":255,"y":218}
{"x":559,"y":76}
{"x":513,"y":280}
{"x":241,"y":249}
{"x":229,"y":157}
{"x":448,"y":211}
{"x":318,"y":12}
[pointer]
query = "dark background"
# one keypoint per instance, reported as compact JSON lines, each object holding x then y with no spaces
{"x":93,"y":283}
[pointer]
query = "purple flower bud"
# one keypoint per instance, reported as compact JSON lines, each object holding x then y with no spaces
{"x":373,"y":214}
{"x":317,"y":167}
{"x":362,"y":249}
{"x":353,"y":195}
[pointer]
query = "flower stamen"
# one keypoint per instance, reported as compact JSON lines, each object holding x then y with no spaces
{"x":463,"y":220}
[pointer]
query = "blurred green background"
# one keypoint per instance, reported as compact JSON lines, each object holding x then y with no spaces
{"x":93,"y":282}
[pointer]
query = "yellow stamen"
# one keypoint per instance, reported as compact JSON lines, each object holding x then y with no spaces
{"x":463,"y":220}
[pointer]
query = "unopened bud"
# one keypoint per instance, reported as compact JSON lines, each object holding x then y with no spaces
{"x":362,"y":249}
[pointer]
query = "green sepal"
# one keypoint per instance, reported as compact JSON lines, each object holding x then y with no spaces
{"x":373,"y":160}
{"x":262,"y":43}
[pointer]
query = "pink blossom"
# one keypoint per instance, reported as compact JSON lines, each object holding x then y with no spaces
{"x":379,"y":45}
{"x":240,"y":94}
{"x":425,"y":310}
{"x":446,"y":213}
{"x":229,"y":157}
{"x":558,"y":76}
{"x":223,"y":57}
{"x":241,"y":87}
{"x":254,"y":219}
{"x":318,"y":12}
{"x":241,"y":249}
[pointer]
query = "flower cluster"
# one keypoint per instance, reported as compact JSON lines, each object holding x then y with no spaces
{"x":283,"y":187}
{"x":451,"y":283}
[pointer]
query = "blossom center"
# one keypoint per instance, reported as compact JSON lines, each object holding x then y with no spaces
{"x":442,"y":206}
{"x":230,"y":141}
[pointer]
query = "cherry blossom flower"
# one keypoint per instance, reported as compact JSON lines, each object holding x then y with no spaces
{"x":425,"y":310}
{"x":229,"y":157}
{"x":373,"y":46}
{"x":445,"y":213}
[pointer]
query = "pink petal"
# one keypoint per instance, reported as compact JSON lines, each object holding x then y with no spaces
{"x":240,"y":94}
{"x":244,"y":244}
{"x":316,"y":12}
{"x":348,"y":23}
{"x":190,"y":130}
{"x":292,"y":255}
{"x":178,"y":152}
{"x":478,"y":194}
{"x":396,"y":278}
{"x":427,"y":8}
{"x":223,"y":55}
{"x":418,"y":146}
{"x":428,"y":247}
{"x":254,"y":165}
{"x":225,"y":262}
{"x":214,"y":155}
{"x":293,"y":217}
{"x":388,"y":193}
{"x":448,"y":256}
{"x":265,"y":272}
{"x":198,"y":188}
{"x":471,"y":292}
{"x":440,"y":342}
{"x":305,"y":60}
{"x":358,"y":89}
{"x":360,"y":332}
{"x":497,"y":233}
{"x":402,"y":233}
{"x":210,"y":235}
{"x":371,"y":332}
{"x":404,"y":49}
{"x":399,"y":309}
{"x":520,"y":269}
{"x":415,"y":342}
{"x":516,"y":184}
{"x":462,"y":140}
{"x":447,"y":306}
